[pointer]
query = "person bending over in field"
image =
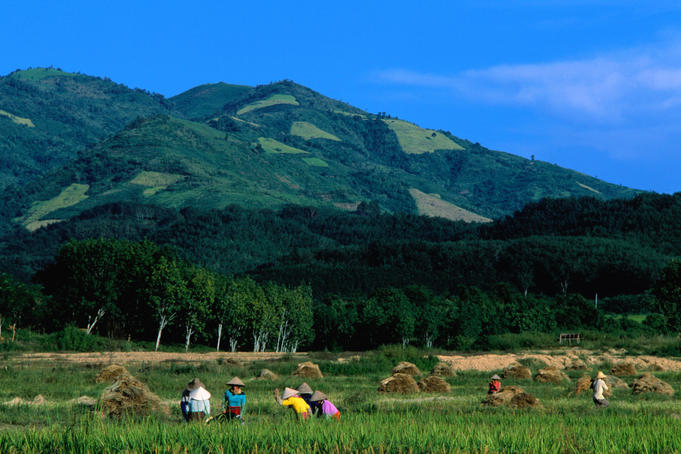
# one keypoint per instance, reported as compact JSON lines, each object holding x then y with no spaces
{"x":184,"y":403}
{"x":322,"y":407}
{"x":293,"y":400}
{"x":599,"y":386}
{"x":305,"y":392}
{"x":199,"y":400}
{"x":234,"y":400}
{"x":494,"y":385}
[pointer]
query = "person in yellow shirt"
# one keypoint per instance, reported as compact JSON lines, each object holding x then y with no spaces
{"x":291,"y":399}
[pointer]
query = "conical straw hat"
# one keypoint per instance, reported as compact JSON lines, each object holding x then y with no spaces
{"x":600,"y":375}
{"x":289,"y":392}
{"x":236,"y":381}
{"x":195,"y":384}
{"x":304,"y":389}
{"x":317,"y":396}
{"x":495,"y":377}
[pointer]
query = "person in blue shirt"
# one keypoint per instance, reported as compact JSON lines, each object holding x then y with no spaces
{"x":234,"y":400}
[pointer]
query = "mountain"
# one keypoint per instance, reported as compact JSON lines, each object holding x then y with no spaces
{"x":262,"y":147}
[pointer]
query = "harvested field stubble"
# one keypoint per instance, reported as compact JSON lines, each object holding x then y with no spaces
{"x":266,"y":374}
{"x":129,"y":396}
{"x":111,"y":373}
{"x":524,"y":400}
{"x":399,"y":383}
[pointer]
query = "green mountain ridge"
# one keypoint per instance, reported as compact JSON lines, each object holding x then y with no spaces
{"x":262,"y":147}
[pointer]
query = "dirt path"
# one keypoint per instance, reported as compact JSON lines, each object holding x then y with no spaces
{"x":153,"y":357}
{"x":491,"y":362}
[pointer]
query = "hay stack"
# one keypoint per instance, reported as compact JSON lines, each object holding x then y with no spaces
{"x":266,"y":374}
{"x":503,"y":397}
{"x":576,"y":364}
{"x":550,"y":375}
{"x":623,"y":369}
{"x":517,"y":371}
{"x":443,"y":369}
{"x":433,"y":384}
{"x":647,"y":383}
{"x":406,"y":368}
{"x":583,"y":384}
{"x":308,"y":370}
{"x":524,"y":400}
{"x":111,"y":373}
{"x":129,"y":396}
{"x":399,"y":383}
{"x":615,"y":382}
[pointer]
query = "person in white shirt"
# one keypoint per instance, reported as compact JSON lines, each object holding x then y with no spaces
{"x":199,"y":403}
{"x":599,"y":386}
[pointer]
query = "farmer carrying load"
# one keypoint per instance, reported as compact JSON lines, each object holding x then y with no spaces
{"x":199,"y":400}
{"x":599,"y":386}
{"x":293,"y":400}
{"x":234,"y":400}
{"x":494,"y":385}
{"x":322,"y":406}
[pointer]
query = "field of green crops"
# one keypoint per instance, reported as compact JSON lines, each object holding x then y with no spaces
{"x":371,"y":422}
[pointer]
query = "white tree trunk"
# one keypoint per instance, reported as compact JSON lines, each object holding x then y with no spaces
{"x":188,"y":335}
{"x":162,"y":324}
{"x":405,"y":342}
{"x":284,"y":333}
{"x":428,"y":341}
{"x":90,"y":326}
{"x":233,"y":341}
{"x":219,"y":336}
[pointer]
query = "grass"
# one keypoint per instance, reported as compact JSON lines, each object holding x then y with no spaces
{"x":276,"y":147}
{"x":416,"y":140}
{"x":38,"y":74}
{"x":455,"y":422}
{"x":433,"y":205}
{"x":155,"y":181}
{"x":309,"y":131}
{"x":72,"y":195}
{"x":316,"y":162}
{"x":271,"y":101}
{"x":18,"y":120}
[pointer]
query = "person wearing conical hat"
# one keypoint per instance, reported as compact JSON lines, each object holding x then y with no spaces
{"x":599,"y":386}
{"x":234,"y":400}
{"x":322,"y":406}
{"x":494,"y":384}
{"x":292,"y":399}
{"x":305,"y":392}
{"x":199,"y":400}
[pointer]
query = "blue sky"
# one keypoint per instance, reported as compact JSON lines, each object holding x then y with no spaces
{"x":590,"y":85}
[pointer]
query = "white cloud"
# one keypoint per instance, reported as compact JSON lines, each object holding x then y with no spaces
{"x":608,"y":87}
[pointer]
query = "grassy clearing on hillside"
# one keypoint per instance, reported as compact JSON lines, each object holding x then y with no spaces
{"x":433,"y":205}
{"x":416,"y":140}
{"x":72,"y":195}
{"x":316,"y":162}
{"x":271,"y":101}
{"x":153,"y":179}
{"x":18,"y":120}
{"x":588,"y":188}
{"x":37,"y":74}
{"x":309,"y":131}
{"x":276,"y":147}
{"x":451,"y":422}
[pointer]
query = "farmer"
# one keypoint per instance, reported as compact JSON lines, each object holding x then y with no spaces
{"x":305,"y":393}
{"x":199,"y":400}
{"x":234,"y":400}
{"x":293,"y":400}
{"x":599,"y":386}
{"x":494,"y":385}
{"x":322,"y":406}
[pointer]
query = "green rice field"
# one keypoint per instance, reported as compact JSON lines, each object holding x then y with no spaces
{"x":371,"y":422}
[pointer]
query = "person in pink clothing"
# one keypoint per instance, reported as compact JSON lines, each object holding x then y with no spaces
{"x":322,"y":406}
